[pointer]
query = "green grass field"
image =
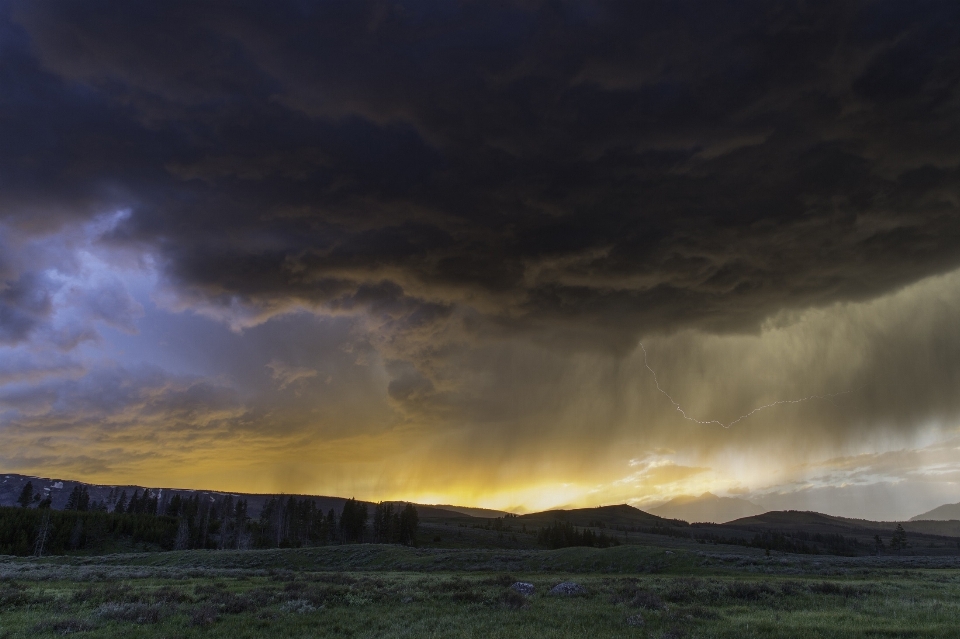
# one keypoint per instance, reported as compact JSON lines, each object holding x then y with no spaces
{"x":391,"y":591}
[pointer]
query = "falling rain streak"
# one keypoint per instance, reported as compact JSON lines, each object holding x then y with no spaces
{"x":742,"y":417}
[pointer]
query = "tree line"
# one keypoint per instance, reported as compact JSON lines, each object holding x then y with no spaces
{"x":564,"y":534}
{"x":192,"y":522}
{"x":43,"y":531}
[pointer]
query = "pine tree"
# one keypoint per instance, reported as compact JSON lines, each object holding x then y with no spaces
{"x":174,"y":506}
{"x":73,"y":502}
{"x":144,"y":506}
{"x":331,"y":525}
{"x":878,"y":543}
{"x":26,"y":495}
{"x":383,"y":528}
{"x":134,"y":505}
{"x":409,"y":522}
{"x":899,"y":540}
{"x":83,"y":499}
{"x":353,"y":520}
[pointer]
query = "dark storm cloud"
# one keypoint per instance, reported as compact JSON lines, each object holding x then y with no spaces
{"x":656,"y":163}
{"x":588,"y":170}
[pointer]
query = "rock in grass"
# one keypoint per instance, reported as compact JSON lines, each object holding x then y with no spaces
{"x":568,"y":589}
{"x":523,"y":588}
{"x":636,"y":621}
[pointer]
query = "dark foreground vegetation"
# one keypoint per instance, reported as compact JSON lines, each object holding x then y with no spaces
{"x":375,"y":590}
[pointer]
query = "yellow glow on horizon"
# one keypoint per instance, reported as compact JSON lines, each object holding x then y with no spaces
{"x":518,"y":500}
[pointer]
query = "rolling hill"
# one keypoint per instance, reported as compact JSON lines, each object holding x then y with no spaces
{"x":947,"y":512}
{"x":610,"y":516}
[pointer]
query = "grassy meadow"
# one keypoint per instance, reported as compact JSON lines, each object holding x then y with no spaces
{"x":369,"y":590}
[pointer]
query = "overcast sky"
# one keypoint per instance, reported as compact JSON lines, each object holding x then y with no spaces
{"x":411,"y":250}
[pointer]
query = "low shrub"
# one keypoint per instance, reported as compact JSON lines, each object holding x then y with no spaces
{"x":690,"y":590}
{"x":209,"y":589}
{"x":232,"y":603}
{"x":749,"y":591}
{"x":65,"y":626}
{"x":843,"y":590}
{"x":647,"y":600}
{"x":13,"y":595}
{"x":468,"y":596}
{"x":134,"y":612}
{"x":261,"y":597}
{"x":693,"y":612}
{"x":791,"y":588}
{"x":335,"y":578}
{"x":513,"y":599}
{"x":171,"y":595}
{"x":503,"y":579}
{"x":204,"y":615}
{"x":108,"y":593}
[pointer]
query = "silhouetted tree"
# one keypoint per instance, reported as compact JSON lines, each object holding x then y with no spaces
{"x":384,"y":529}
{"x":409,"y":522}
{"x":26,"y":495}
{"x":79,"y":499}
{"x":563,"y":534}
{"x":899,"y":540}
{"x":331,"y":525}
{"x":353,"y":519}
{"x":134,"y":502}
{"x":148,"y":503}
{"x":173,"y":506}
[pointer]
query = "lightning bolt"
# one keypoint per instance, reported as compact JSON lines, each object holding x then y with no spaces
{"x":738,"y":419}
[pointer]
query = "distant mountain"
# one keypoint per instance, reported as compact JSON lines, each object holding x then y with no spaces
{"x":798,"y":519}
{"x":947,"y":512}
{"x":707,"y":507}
{"x":620,"y":515}
{"x":813,"y":522}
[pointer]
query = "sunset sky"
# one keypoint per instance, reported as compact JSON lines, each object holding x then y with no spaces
{"x":410,"y":250}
